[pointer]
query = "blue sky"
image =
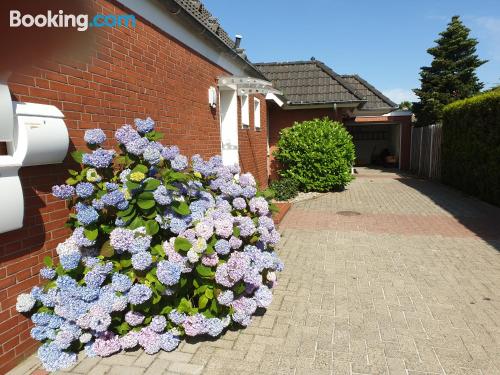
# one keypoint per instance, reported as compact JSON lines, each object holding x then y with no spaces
{"x":383,"y":41}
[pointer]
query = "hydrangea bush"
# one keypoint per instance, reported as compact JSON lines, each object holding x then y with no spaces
{"x":161,"y":248}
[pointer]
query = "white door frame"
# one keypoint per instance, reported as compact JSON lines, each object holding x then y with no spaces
{"x":228,"y":110}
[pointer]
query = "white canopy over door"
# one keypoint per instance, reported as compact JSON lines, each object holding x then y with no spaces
{"x":229,"y":89}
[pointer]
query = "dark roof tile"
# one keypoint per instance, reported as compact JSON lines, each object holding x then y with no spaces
{"x":374,"y":98}
{"x":309,"y":82}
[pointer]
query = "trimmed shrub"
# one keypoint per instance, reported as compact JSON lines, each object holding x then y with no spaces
{"x":284,"y":189}
{"x":471,"y":146}
{"x":318,"y":154}
{"x":161,"y":248}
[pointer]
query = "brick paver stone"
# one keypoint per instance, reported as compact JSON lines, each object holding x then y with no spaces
{"x":394,"y":275}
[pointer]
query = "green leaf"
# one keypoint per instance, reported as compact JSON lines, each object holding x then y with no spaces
{"x":209,"y":293}
{"x":91,"y":234}
{"x":182,"y":208}
{"x":125,"y":263}
{"x":166,"y":310}
{"x":126,"y":212}
{"x":107,"y":228}
{"x":145,"y":196}
{"x":152,"y":227}
{"x":136,"y":223}
{"x":132,"y":185}
{"x":146,"y":204}
{"x":239,"y":288}
{"x":48,"y":261}
{"x":236,"y":232}
{"x":152,"y":184}
{"x":202,"y":302}
{"x":71,"y":181}
{"x":72,"y":172}
{"x":158,"y":250}
{"x":140,"y":168}
{"x":213,"y":307}
{"x":204,"y":271}
{"x":107,"y":250}
{"x":77,"y":156}
{"x":181,"y":244}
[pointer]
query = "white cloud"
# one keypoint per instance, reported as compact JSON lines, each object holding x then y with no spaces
{"x":398,"y":95}
{"x":489,"y":33}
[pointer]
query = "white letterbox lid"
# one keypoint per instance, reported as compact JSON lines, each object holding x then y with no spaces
{"x":39,"y":110}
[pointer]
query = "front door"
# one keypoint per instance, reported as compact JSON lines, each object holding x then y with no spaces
{"x":229,"y":126}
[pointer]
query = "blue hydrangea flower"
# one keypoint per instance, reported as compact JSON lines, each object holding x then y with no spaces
{"x":99,"y":158}
{"x":179,"y":163}
{"x":170,"y":153}
{"x":152,"y":155}
{"x":168,"y":272}
{"x":140,"y":244}
{"x":137,"y":146}
{"x":138,"y":294}
{"x":111,"y":186}
{"x":48,"y":273}
{"x":80,"y":238}
{"x":86,"y":214}
{"x":169,"y":341}
{"x":177,"y":317}
{"x":63,"y":191}
{"x":70,"y":261}
{"x":158,"y":323}
{"x":222,"y":247}
{"x":94,"y":137}
{"x":177,"y":225}
{"x":126,"y":134}
{"x":239,"y":203}
{"x":120,"y":282}
{"x":144,"y":126}
{"x":162,"y":195}
{"x":141,"y":260}
{"x":54,"y":359}
{"x":114,"y":198}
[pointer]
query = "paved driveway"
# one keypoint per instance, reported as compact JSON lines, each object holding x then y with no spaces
{"x":392,"y":276}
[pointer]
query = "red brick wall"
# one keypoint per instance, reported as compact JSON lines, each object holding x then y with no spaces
{"x":280,"y":119}
{"x":130,"y":73}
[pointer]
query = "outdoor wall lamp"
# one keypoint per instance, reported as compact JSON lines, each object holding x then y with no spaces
{"x":35,"y":134}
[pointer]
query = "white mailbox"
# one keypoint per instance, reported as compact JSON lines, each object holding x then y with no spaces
{"x":39,"y":136}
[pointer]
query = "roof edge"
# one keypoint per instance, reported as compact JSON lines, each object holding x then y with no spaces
{"x":373,"y":89}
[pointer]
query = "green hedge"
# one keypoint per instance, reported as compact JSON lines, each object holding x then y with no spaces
{"x":317,"y":154}
{"x":471,"y":146}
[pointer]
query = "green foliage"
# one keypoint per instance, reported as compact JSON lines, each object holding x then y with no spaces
{"x":318,"y":154}
{"x":285,"y":189}
{"x":471,"y":146}
{"x":451,"y":75}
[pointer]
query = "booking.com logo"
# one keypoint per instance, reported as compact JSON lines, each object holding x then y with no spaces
{"x":80,"y":21}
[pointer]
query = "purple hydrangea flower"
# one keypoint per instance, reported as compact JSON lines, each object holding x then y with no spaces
{"x":137,"y":146}
{"x":263,"y":296}
{"x":226,"y":297}
{"x":259,"y":206}
{"x":94,"y":136}
{"x":237,"y":265}
{"x":126,"y":134}
{"x":106,"y":345}
{"x":235,"y":242}
{"x":170,"y":153}
{"x":224,"y":227}
{"x":246,"y":225}
{"x":168,"y":272}
{"x":177,"y":317}
{"x":239,"y":203}
{"x":63,"y":191}
{"x":139,"y":293}
{"x":210,"y":260}
{"x":149,"y":340}
{"x":158,"y":323}
{"x":134,"y":318}
{"x":121,"y":239}
{"x":179,"y":163}
{"x":249,"y":192}
{"x":194,"y":325}
{"x":130,"y":340}
{"x":246,"y":179}
{"x":99,"y":158}
{"x":144,"y":126}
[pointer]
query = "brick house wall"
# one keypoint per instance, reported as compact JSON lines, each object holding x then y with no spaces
{"x":131,"y":73}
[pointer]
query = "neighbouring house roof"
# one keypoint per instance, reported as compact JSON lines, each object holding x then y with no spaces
{"x":374,"y":98}
{"x":309,"y":82}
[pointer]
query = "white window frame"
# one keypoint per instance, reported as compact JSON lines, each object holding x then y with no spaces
{"x":256,"y":115}
{"x":245,"y":112}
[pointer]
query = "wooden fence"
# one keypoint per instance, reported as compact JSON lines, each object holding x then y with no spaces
{"x":426,"y":151}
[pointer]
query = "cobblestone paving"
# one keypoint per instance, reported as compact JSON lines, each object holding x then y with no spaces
{"x":407,"y":281}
